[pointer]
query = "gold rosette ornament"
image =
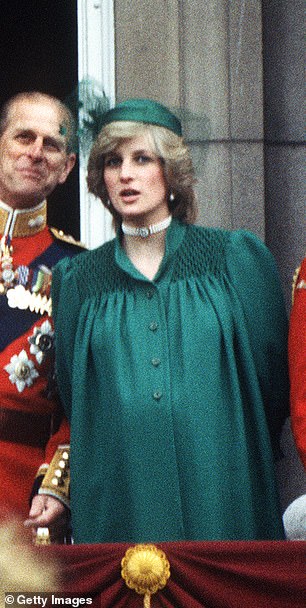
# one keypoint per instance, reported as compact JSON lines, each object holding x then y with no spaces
{"x":145,"y":569}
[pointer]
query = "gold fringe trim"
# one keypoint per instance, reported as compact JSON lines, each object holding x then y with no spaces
{"x":67,"y":238}
{"x":294,"y":282}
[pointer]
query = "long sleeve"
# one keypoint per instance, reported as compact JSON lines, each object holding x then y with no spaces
{"x":174,"y":388}
{"x":65,"y":314}
{"x":254,"y":273}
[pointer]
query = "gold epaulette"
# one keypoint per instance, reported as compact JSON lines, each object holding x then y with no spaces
{"x":57,"y":478}
{"x":67,"y":238}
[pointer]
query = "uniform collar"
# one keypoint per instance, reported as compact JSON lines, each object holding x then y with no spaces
{"x":22,"y":222}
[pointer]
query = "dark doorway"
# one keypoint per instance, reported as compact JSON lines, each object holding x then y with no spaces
{"x":38,"y":49}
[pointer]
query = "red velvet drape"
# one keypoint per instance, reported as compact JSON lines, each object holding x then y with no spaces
{"x":203,"y":574}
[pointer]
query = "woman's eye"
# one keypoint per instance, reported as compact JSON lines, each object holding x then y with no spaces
{"x":143,"y":158}
{"x":112,"y":161}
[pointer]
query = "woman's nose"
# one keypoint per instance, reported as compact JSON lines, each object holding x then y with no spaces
{"x":126,"y":172}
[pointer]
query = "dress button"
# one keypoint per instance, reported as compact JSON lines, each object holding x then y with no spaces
{"x":153,"y":326}
{"x":155,"y":361}
{"x":150,"y":294}
{"x":157,"y":395}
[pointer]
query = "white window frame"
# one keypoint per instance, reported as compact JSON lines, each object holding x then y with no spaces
{"x":96,"y":63}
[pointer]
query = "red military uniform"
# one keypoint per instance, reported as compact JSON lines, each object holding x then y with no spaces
{"x":297,"y":361}
{"x":31,"y":422}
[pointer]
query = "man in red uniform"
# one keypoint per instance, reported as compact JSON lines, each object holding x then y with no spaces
{"x":297,"y":361}
{"x":36,"y":154}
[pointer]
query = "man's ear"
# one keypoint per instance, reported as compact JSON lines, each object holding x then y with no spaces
{"x":69,"y":164}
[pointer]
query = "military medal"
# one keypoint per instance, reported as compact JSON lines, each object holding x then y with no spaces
{"x":7,"y":275}
{"x":24,"y":287}
{"x":27,"y":288}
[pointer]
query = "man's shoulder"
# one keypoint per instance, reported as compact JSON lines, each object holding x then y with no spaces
{"x":91,"y":260}
{"x":66,"y":239}
{"x":93,"y":270}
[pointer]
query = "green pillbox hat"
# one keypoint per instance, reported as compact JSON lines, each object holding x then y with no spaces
{"x":143,"y":110}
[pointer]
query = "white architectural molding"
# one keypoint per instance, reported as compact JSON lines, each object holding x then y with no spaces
{"x":96,"y":61}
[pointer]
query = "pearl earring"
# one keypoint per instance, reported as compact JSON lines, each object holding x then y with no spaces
{"x":171,"y":197}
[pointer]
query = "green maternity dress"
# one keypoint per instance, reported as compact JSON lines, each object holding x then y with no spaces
{"x":176,"y":389}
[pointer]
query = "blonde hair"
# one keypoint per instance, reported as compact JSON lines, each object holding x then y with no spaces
{"x":171,"y":150}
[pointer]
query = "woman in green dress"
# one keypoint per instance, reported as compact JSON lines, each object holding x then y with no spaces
{"x":171,"y":354}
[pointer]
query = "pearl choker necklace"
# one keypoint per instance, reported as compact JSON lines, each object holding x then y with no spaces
{"x":146,"y":231}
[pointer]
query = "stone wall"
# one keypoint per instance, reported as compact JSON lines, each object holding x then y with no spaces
{"x":232,"y":69}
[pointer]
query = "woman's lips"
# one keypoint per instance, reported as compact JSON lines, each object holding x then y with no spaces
{"x":129,"y":194}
